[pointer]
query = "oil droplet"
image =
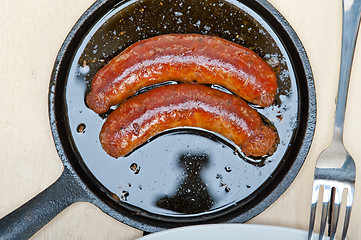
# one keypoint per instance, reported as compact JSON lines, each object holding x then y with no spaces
{"x":135,"y":168}
{"x":81,"y":128}
{"x":124,"y":196}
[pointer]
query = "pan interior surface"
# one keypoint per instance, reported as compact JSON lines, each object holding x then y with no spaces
{"x":185,"y":174}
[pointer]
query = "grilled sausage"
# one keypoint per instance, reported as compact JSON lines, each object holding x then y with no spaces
{"x":145,"y":115}
{"x":185,"y":58}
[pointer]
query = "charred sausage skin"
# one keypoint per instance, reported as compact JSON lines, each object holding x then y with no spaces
{"x":147,"y":114}
{"x":185,"y":58}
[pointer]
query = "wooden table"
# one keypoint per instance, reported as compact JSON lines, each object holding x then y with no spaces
{"x":31,"y":33}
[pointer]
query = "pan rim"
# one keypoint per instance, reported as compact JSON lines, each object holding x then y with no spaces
{"x":141,"y":222}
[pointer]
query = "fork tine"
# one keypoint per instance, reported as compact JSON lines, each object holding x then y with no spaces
{"x":345,"y":225}
{"x":315,"y":194}
{"x":335,"y":212}
{"x":312,"y":220}
{"x":349,"y":201}
{"x":325,"y":210}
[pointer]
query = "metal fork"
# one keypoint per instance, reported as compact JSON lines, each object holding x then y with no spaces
{"x":335,"y":169}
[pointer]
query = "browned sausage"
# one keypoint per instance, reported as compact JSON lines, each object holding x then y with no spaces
{"x":147,"y":114}
{"x":186,"y":58}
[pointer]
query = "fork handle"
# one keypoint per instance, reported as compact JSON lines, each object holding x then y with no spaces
{"x":350,"y":26}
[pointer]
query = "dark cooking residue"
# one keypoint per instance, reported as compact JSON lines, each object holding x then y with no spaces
{"x":81,"y":128}
{"x":222,"y":184}
{"x":166,"y":178}
{"x":191,"y":195}
{"x":135,"y":168}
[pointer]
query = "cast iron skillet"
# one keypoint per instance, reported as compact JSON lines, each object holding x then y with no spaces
{"x":185,"y":175}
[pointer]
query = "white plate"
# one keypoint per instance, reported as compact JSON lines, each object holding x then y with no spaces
{"x":230,"y":232}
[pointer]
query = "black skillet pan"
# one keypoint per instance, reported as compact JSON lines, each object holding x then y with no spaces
{"x":185,"y":175}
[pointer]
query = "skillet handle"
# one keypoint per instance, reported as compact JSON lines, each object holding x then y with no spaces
{"x":33,"y":215}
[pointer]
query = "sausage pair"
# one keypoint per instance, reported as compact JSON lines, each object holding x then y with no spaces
{"x":185,"y":58}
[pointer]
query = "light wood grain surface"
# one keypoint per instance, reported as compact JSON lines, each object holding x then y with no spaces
{"x":31,"y":33}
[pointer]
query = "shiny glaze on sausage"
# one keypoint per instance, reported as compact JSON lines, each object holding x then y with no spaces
{"x":147,"y":114}
{"x":185,"y":58}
